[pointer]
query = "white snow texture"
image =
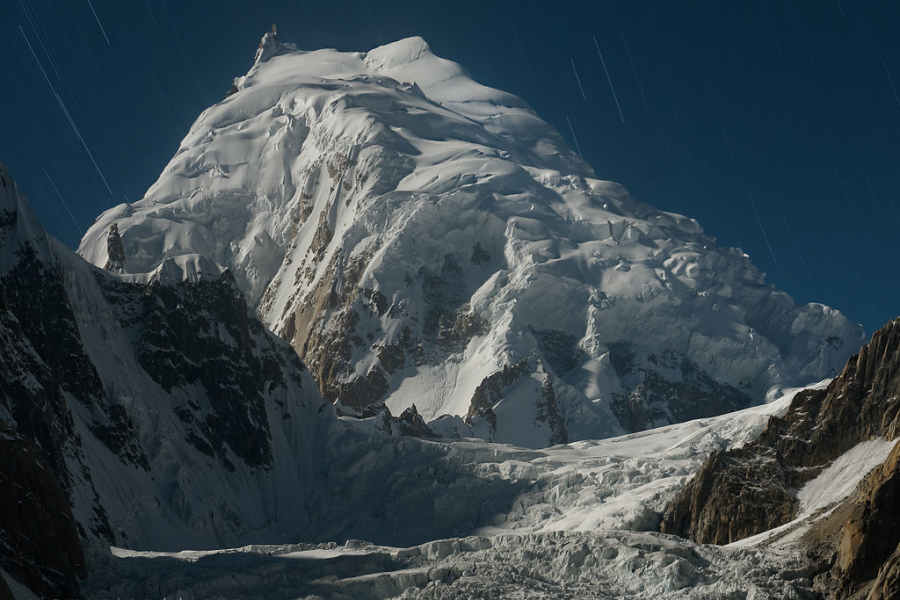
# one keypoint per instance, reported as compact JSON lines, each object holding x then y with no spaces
{"x":332,"y":179}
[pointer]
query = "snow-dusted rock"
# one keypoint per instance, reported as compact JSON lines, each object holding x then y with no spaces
{"x":824,"y":476}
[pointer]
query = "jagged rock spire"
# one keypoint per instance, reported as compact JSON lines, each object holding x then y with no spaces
{"x":268,"y":45}
{"x":116,"y":250}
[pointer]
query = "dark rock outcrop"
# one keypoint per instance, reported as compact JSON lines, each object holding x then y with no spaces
{"x":871,"y":534}
{"x":411,"y":423}
{"x":115,"y":249}
{"x":746,"y":491}
{"x":667,"y":387}
{"x":733,"y":496}
{"x":201,"y":332}
{"x":41,"y":547}
{"x":43,"y":365}
{"x":887,"y":585}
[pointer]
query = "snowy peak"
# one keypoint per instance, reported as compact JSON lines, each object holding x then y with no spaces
{"x":381,"y":109}
{"x":411,"y":60}
{"x":419,"y":237}
{"x":398,"y":54}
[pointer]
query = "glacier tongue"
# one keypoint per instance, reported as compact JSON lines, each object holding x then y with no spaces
{"x":421,"y":238}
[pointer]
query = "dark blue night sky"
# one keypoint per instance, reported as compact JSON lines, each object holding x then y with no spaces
{"x":774,"y":123}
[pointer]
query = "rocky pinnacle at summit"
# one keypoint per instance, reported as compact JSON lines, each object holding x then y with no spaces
{"x":420,"y":238}
{"x":115,"y":250}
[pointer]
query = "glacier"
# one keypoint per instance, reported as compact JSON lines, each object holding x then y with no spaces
{"x":580,"y":525}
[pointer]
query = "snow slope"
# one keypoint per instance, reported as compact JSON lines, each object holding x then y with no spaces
{"x":422,"y":239}
{"x":219,"y":470}
{"x":820,"y":497}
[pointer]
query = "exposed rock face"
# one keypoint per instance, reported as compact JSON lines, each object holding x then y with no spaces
{"x":667,"y":387}
{"x":746,"y":491}
{"x":887,"y":585}
{"x":146,"y":413}
{"x":268,"y":46}
{"x":411,"y":423}
{"x":43,"y":372}
{"x":872,"y":532}
{"x":116,"y":250}
{"x":728,"y":501}
{"x":41,"y":547}
{"x":178,"y":346}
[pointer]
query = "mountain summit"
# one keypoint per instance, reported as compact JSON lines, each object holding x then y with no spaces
{"x":422,"y":239}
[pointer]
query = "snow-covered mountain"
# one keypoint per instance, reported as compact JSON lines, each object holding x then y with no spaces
{"x":153,"y":411}
{"x":156,"y":414}
{"x":422,"y":239}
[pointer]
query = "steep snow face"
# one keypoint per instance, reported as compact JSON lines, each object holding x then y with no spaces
{"x":223,"y":421}
{"x":422,"y":239}
{"x":166,"y":412}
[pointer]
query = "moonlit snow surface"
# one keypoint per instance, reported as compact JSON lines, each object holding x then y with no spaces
{"x":559,"y":565}
{"x":578,"y":529}
{"x":331,"y":180}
